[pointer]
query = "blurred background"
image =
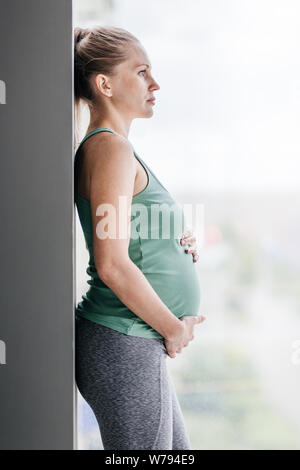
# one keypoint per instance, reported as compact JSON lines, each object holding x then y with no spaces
{"x":225,"y":134}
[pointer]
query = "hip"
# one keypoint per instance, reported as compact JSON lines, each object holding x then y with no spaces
{"x":93,"y":340}
{"x":106,"y":359}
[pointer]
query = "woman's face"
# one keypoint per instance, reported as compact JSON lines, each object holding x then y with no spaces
{"x":133,"y":85}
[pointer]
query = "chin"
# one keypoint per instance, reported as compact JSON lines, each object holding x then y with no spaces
{"x":145,"y":114}
{"x":149,"y":112}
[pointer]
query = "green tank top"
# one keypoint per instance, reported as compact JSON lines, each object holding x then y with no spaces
{"x":163,"y":261}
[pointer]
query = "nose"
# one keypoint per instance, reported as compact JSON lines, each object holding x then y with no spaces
{"x":155,"y":85}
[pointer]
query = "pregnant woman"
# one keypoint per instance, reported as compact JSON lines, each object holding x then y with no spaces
{"x":144,"y":296}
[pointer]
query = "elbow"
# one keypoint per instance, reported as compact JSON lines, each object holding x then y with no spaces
{"x":110,"y":271}
{"x":106,"y":272}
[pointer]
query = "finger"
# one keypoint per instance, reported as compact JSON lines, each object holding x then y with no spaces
{"x":197,"y":319}
{"x":192,"y":246}
{"x":194,"y":252}
{"x":193,"y":318}
{"x":192,"y":249}
{"x":188,"y":240}
{"x":200,"y":318}
{"x":187,"y":234}
{"x":171,"y":353}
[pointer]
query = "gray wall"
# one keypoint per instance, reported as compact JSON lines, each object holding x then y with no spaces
{"x":37,"y":386}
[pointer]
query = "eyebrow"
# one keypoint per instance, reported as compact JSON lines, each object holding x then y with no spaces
{"x":147,"y":65}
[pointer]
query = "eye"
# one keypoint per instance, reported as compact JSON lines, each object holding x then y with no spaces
{"x":142,"y":71}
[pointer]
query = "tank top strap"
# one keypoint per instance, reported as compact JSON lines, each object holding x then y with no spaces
{"x":149,"y":171}
{"x":94,"y":131}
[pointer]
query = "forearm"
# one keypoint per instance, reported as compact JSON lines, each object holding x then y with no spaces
{"x":130,"y":285}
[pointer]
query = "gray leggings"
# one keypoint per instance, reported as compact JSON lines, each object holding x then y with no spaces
{"x":126,"y":382}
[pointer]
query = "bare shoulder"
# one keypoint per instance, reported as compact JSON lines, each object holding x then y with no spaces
{"x":104,"y":145}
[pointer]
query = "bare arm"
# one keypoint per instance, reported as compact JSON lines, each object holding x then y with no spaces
{"x":113,"y":170}
{"x":133,"y":289}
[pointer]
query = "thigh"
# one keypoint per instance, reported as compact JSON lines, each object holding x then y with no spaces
{"x":124,"y":380}
{"x":180,"y":437}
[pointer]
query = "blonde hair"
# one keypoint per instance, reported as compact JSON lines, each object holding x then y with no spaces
{"x":96,"y":50}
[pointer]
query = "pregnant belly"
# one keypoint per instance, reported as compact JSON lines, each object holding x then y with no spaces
{"x":172,"y":274}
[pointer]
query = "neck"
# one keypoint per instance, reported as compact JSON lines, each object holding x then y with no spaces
{"x":120,"y":126}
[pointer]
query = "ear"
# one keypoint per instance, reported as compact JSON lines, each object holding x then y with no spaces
{"x":103,"y":84}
